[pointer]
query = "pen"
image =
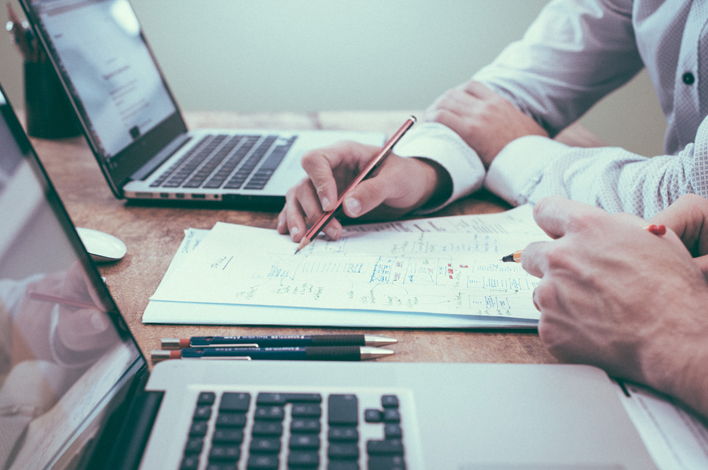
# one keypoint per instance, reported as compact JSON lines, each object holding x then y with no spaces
{"x":78,"y":303}
{"x":311,"y":353}
{"x":515,"y":257}
{"x":276,"y":341}
{"x":377,"y":160}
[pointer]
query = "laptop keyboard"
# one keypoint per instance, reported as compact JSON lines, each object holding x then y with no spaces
{"x":218,"y":161}
{"x":291,"y":430}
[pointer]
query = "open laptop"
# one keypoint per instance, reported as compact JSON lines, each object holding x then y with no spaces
{"x":135,"y":129}
{"x":76,"y":392}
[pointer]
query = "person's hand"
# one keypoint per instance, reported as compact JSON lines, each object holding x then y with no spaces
{"x":484,"y":119}
{"x":77,"y":329}
{"x":398,"y":186}
{"x":688,"y":218}
{"x":618,"y":297}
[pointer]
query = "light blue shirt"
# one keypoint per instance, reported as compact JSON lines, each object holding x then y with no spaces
{"x":575,"y":53}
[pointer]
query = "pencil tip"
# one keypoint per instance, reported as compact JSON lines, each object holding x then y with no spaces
{"x":305,"y":241}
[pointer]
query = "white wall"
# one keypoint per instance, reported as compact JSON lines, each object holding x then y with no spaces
{"x":308,"y":55}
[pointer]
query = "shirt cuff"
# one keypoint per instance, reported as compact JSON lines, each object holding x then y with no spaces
{"x":518,"y":168}
{"x":438,"y":143}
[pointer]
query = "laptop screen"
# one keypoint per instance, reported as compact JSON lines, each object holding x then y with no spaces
{"x":64,"y":350}
{"x":107,"y":65}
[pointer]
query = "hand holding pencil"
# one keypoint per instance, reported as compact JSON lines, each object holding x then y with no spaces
{"x":396,"y":187}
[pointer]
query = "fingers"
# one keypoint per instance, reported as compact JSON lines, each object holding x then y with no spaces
{"x":534,"y":259}
{"x":687,"y":218}
{"x":557,"y":215}
{"x":303,"y":206}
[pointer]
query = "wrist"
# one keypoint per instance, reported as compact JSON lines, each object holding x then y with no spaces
{"x":437,"y":184}
{"x":676,"y":362}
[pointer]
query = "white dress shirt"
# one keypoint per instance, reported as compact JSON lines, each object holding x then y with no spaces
{"x":575,"y":53}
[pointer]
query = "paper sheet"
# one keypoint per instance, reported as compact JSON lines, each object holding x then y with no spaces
{"x":675,"y":437}
{"x":443,"y":266}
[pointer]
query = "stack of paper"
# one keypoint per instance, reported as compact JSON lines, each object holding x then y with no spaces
{"x":438,"y":272}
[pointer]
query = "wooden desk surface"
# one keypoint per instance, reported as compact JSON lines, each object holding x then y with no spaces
{"x":153,"y":234}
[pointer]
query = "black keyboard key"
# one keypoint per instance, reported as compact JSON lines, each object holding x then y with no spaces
{"x":343,"y":434}
{"x":343,"y":451}
{"x":306,"y":410}
{"x":263,"y":461}
{"x":393,"y":431}
{"x":227,"y":436}
{"x":283,"y":398}
{"x":343,"y":465}
{"x":221,"y":466}
{"x":373,"y":416}
{"x":202,"y":412}
{"x":225,"y":452}
{"x":389,"y":401}
{"x":265,"y":445}
{"x":385,"y":447}
{"x":206,"y":398}
{"x":274,"y":413}
{"x":391,"y":415}
{"x":235,"y":402}
{"x":198,"y":429}
{"x":190,"y":462}
{"x":343,"y":410}
{"x":194,"y":445}
{"x":305,"y":425}
{"x":386,"y":462}
{"x":303,"y":459}
{"x":267,"y":428}
{"x":232,"y":420}
{"x":304,"y":441}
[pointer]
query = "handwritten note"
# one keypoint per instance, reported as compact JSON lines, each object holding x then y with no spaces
{"x":445,"y":265}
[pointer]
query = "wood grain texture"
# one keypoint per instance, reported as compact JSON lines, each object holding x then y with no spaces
{"x":153,"y":234}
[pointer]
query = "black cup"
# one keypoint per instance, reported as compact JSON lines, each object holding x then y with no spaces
{"x":49,"y":113}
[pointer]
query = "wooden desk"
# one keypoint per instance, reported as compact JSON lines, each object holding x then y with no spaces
{"x":153,"y":234}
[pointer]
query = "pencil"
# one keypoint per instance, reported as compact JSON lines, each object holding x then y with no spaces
{"x":515,"y":257}
{"x":63,"y":300}
{"x":377,"y":160}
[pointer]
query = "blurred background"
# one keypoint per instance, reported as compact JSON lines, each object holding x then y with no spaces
{"x":329,"y":55}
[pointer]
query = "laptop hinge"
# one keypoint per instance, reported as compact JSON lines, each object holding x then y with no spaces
{"x":122,"y":442}
{"x":151,"y":165}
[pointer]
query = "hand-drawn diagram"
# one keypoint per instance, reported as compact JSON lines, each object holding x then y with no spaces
{"x":435,"y":271}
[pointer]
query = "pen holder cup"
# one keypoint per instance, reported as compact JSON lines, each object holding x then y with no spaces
{"x":47,"y":109}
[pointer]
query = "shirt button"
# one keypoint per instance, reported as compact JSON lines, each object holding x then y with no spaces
{"x":688,"y":78}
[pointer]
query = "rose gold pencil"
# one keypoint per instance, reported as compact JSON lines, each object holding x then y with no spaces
{"x":78,"y":303}
{"x":377,"y":160}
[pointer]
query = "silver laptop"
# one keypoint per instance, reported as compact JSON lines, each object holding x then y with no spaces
{"x":135,"y":129}
{"x":76,"y":392}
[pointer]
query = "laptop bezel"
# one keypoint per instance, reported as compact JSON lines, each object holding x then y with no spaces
{"x":118,"y":170}
{"x":129,"y":387}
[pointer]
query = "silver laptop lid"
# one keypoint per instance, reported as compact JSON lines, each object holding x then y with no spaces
{"x":64,"y":350}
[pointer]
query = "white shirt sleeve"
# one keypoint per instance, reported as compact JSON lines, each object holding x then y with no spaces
{"x":614,"y":179}
{"x":574,"y":53}
{"x":438,"y":143}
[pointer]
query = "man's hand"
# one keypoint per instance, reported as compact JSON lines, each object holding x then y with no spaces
{"x":688,"y":218}
{"x":398,"y":186}
{"x":618,"y":297}
{"x":485,"y":120}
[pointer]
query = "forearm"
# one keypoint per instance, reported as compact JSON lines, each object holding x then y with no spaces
{"x":611,"y":178}
{"x":573,"y":54}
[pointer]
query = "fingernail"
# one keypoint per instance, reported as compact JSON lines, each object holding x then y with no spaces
{"x":294,"y":231}
{"x":98,"y":322}
{"x":325,"y":203}
{"x":353,"y":206}
{"x":331,"y":232}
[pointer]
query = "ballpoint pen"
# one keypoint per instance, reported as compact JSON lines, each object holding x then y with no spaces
{"x":373,"y":163}
{"x":312,"y":353}
{"x":276,"y":341}
{"x":515,"y":257}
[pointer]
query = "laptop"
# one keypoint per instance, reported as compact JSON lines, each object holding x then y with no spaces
{"x":76,"y":391}
{"x":134,"y":127}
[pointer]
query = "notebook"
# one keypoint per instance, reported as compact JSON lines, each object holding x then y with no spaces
{"x":76,"y":392}
{"x":134,"y":127}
